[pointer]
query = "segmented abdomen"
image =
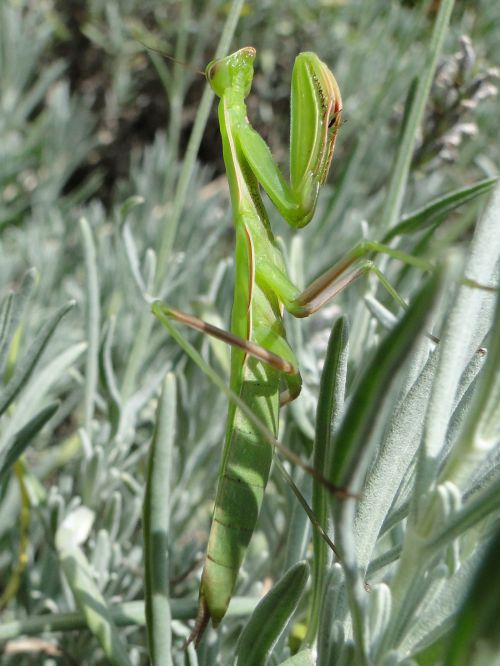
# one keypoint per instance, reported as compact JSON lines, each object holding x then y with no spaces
{"x":241,"y":488}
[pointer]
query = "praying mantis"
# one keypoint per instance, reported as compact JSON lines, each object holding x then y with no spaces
{"x":261,"y":358}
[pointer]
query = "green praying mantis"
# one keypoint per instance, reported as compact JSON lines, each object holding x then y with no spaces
{"x":264,"y":370}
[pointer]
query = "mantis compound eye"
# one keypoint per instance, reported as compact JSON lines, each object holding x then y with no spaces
{"x":211,"y":71}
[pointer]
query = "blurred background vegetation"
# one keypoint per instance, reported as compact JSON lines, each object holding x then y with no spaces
{"x":91,"y":120}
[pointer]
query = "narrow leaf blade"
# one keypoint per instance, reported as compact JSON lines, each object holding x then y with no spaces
{"x":30,"y":359}
{"x":271,"y":616}
{"x":22,"y":439}
{"x":438,"y":209}
{"x":156,"y":528}
{"x":91,"y":602}
{"x":475,"y":638}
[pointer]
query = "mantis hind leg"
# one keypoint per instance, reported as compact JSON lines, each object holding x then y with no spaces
{"x":200,"y":624}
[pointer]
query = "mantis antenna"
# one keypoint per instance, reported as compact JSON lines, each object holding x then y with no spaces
{"x":171,"y":58}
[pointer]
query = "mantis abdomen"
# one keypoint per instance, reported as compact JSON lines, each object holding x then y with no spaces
{"x":247,"y":458}
{"x":242,"y":482}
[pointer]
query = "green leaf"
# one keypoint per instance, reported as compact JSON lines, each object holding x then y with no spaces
{"x":475,"y":639}
{"x":89,"y":599}
{"x":355,"y":440}
{"x":33,"y":396}
{"x":436,"y":211}
{"x":11,"y":451}
{"x":92,"y":323}
{"x":481,"y":432}
{"x":328,"y":415}
{"x":129,"y":204}
{"x":108,"y":376}
{"x":302,"y":658}
{"x":12,"y":312}
{"x":156,"y":528}
{"x":467,"y":322}
{"x":29,"y":360}
{"x":352,"y":452}
{"x":271,"y":617}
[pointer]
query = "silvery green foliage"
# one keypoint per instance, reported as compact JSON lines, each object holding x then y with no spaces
{"x":40,"y":149}
{"x":430,"y":497}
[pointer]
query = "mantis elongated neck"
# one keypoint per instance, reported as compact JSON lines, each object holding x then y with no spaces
{"x":235,"y":98}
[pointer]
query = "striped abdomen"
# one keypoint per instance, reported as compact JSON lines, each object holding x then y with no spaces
{"x":241,"y":488}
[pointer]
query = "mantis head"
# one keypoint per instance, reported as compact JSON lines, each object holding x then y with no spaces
{"x":234,"y":71}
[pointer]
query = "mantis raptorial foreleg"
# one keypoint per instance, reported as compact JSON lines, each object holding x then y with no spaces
{"x":352,"y":266}
{"x":303,"y":303}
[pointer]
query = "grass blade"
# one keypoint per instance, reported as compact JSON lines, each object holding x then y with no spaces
{"x":271,"y":616}
{"x":26,"y":365}
{"x":89,"y":599}
{"x":22,"y":439}
{"x":329,"y":412}
{"x":351,"y":455}
{"x":354,"y":442}
{"x":13,"y":310}
{"x":475,"y":636}
{"x":92,"y":323}
{"x":156,"y":528}
{"x":467,"y":323}
{"x":41,"y":385}
{"x":438,"y":209}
